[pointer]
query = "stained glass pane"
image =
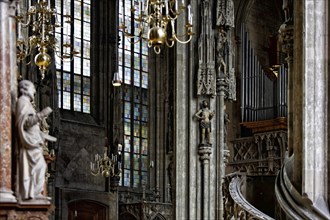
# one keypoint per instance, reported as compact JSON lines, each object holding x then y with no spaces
{"x":86,"y":49}
{"x":137,"y":94}
{"x":86,"y":104}
{"x":127,"y":60}
{"x":144,"y":177}
{"x":67,"y":7}
{"x":144,"y":163}
{"x":77,"y":102}
{"x":127,"y":75}
{"x":127,"y":178}
{"x":87,"y":31}
{"x":145,"y":96}
{"x":77,"y":65}
{"x":120,"y":57}
{"x":86,"y":86}
{"x":144,"y":113}
{"x":127,"y":160}
{"x":145,"y":63}
{"x":144,"y":130}
{"x":77,"y":84}
{"x":87,"y":13}
{"x":136,"y":78}
{"x":127,"y":110}
{"x":127,"y":143}
{"x":144,"y":148}
{"x":136,"y":145}
{"x":127,"y":43}
{"x":136,"y":128}
{"x":77,"y":45}
{"x":144,"y":47}
{"x":67,"y":66}
{"x":66,"y":100}
{"x":144,"y":80}
{"x":127,"y":127}
{"x":77,"y":28}
{"x":136,"y":165}
{"x":136,"y":179}
{"x":77,"y":9}
{"x":86,"y":67}
{"x":127,"y":93}
{"x":137,"y":114}
{"x":66,"y":82}
{"x":137,"y":49}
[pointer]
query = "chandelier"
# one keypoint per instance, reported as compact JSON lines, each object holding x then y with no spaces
{"x":41,"y":20}
{"x":159,"y":16}
{"x":105,"y":165}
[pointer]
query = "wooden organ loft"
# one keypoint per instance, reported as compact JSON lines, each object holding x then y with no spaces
{"x":257,"y":155}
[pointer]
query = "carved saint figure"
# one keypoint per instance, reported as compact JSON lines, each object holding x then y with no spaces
{"x":222,"y":48}
{"x":32,"y":165}
{"x":204,"y":116}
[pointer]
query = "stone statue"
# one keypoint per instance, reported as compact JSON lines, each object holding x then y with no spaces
{"x":222,"y":51}
{"x":204,"y":116}
{"x":32,"y":165}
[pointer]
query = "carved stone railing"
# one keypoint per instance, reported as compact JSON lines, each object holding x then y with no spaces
{"x":145,"y":210}
{"x":290,"y":203}
{"x":235,"y":205}
{"x":261,"y":154}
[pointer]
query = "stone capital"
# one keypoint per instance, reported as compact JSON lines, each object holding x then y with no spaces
{"x":205,"y":151}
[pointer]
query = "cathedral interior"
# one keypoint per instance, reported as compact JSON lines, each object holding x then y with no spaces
{"x":164,"y":109}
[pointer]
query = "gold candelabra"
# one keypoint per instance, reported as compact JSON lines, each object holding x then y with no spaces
{"x":159,"y":16}
{"x":105,"y":165}
{"x":41,"y":21}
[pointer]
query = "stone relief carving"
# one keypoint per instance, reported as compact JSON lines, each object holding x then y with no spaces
{"x":32,"y":141}
{"x":206,"y":80}
{"x":204,"y":115}
{"x":261,"y":154}
{"x":225,"y":13}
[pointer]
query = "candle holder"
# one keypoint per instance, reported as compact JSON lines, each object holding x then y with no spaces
{"x":107,"y":166}
{"x":160,"y":17}
{"x":41,"y":20}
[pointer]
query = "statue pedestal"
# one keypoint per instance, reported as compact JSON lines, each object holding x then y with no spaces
{"x":27,"y":210}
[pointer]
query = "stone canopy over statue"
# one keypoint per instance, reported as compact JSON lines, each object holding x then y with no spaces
{"x":32,"y":164}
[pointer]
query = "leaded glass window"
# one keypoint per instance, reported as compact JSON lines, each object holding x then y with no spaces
{"x":133,"y":70}
{"x":73,"y":78}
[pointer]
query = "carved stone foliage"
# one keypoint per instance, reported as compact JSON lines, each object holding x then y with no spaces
{"x":235,"y":205}
{"x":146,"y":210}
{"x":261,"y":154}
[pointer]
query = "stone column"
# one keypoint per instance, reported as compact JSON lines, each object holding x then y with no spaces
{"x":315,"y":97}
{"x":204,"y":152}
{"x":221,"y":90}
{"x":6,"y":194}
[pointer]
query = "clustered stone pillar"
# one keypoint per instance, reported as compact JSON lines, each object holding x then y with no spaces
{"x":6,"y":193}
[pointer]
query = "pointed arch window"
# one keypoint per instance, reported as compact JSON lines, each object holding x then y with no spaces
{"x":74,"y":78}
{"x":133,"y":69}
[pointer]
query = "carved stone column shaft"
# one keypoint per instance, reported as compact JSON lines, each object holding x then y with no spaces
{"x":205,"y":152}
{"x":6,"y":194}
